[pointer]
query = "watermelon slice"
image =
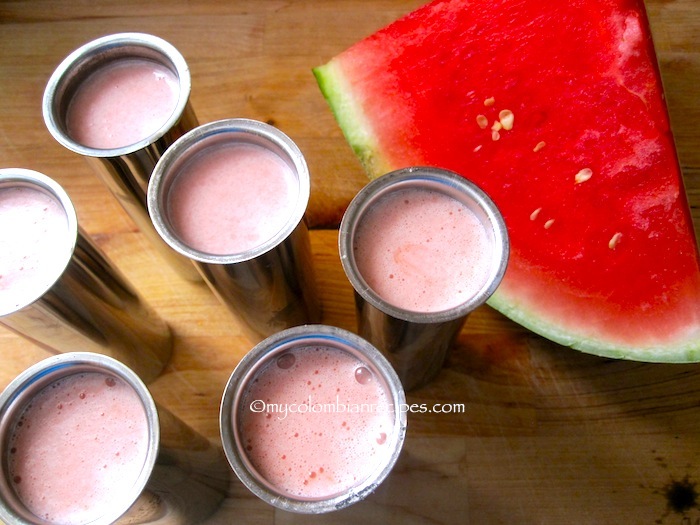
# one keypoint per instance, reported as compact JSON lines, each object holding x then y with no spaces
{"x":556,"y":109}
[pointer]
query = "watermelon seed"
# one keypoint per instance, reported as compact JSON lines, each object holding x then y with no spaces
{"x":495,"y":135}
{"x":477,"y":148}
{"x":489,"y":101}
{"x":506,"y":118}
{"x":548,"y":224}
{"x":497,"y":126}
{"x":539,"y":146}
{"x":583,"y":175}
{"x":614,"y":240}
{"x":482,"y":121}
{"x":535,"y":213}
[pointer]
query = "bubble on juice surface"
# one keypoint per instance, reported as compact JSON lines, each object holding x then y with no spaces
{"x":286,"y":361}
{"x":401,"y":236}
{"x":363,"y":375}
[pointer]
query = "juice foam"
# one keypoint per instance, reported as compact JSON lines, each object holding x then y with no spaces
{"x":122,"y":103}
{"x":232,"y":198}
{"x":34,"y":246}
{"x":422,"y":250}
{"x":78,"y":448}
{"x":330,"y":428}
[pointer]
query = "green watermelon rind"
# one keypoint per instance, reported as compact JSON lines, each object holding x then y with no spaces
{"x":355,"y":128}
{"x":350,"y":116}
{"x":677,"y":352}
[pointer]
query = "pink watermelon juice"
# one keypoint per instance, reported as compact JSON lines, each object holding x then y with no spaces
{"x":232,"y":199}
{"x":122,"y":103}
{"x":34,"y":245}
{"x":79,"y":446}
{"x":422,"y":250}
{"x":312,"y":419}
{"x":312,"y":448}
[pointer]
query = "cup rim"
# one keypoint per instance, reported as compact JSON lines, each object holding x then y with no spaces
{"x":56,"y":93}
{"x":303,"y":336}
{"x":251,"y":131}
{"x":430,"y":178}
{"x":41,"y":374}
{"x":14,"y":177}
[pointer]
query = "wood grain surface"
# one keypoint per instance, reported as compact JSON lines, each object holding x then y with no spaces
{"x":548,"y":435}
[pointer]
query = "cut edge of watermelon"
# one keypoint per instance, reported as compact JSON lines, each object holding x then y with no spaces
{"x":351,"y":117}
{"x":682,"y":350}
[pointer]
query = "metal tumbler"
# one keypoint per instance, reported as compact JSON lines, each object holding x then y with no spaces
{"x":269,"y":285}
{"x":416,"y":341}
{"x":125,"y":164}
{"x":59,"y":290}
{"x":313,"y":419}
{"x":82,"y":441}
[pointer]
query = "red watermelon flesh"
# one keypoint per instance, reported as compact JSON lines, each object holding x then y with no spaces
{"x":556,"y":109}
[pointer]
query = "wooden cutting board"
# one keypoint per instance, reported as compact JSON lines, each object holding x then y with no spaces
{"x":548,"y":435}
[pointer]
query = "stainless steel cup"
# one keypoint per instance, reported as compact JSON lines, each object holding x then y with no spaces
{"x":234,"y":403}
{"x":88,"y":304}
{"x":125,"y":170}
{"x":269,"y":287}
{"x":417,"y":343}
{"x":182,"y":481}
